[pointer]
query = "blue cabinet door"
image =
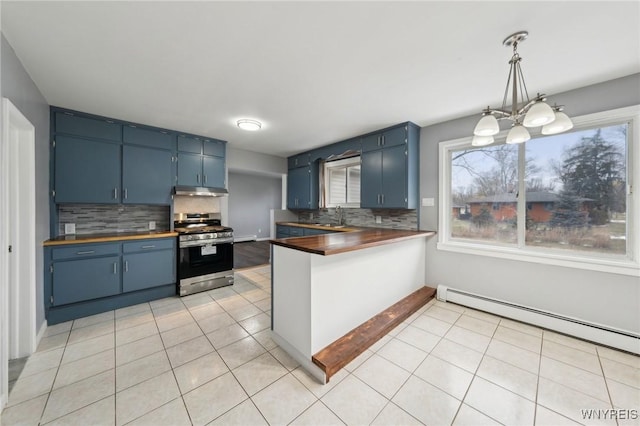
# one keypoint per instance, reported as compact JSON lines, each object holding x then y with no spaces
{"x":394,"y":177}
{"x":393,"y":137}
{"x":70,"y":124}
{"x":189,"y":144}
{"x":86,"y":171}
{"x":371,"y":179}
{"x":148,"y":269}
{"x":147,"y":175}
{"x":85,"y":279}
{"x":371,"y":142}
{"x":213,"y":171}
{"x":189,"y":169}
{"x":297,"y":187}
{"x":147,"y":137}
{"x":213,"y":147}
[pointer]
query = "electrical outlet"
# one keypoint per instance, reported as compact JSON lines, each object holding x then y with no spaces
{"x":259,"y":230}
{"x":311,"y":216}
{"x":378,"y":219}
{"x":152,"y":225}
{"x":69,"y":228}
{"x":428,"y":202}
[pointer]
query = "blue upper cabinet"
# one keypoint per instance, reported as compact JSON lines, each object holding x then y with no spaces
{"x":69,"y":123}
{"x":201,"y":162}
{"x":302,"y":187}
{"x":300,"y":160}
{"x":390,"y":137}
{"x":86,"y":171}
{"x":148,"y":169}
{"x":213,"y":172}
{"x":189,"y":169}
{"x":147,"y":175}
{"x":160,"y":139}
{"x":390,"y":168}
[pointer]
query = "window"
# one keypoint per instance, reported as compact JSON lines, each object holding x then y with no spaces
{"x":342,"y":182}
{"x":563,"y":197}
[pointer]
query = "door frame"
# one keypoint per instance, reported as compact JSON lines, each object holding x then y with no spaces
{"x":17,"y":228}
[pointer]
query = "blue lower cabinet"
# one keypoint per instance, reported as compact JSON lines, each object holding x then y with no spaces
{"x":85,"y":279}
{"x":150,"y":269}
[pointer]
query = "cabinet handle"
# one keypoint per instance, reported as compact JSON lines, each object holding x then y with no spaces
{"x":115,"y":193}
{"x":115,"y":268}
{"x":148,"y":247}
{"x":198,"y":177}
{"x":126,"y":193}
{"x":204,"y":178}
{"x":379,"y":138}
{"x":126,"y":266}
{"x":378,"y":200}
{"x":86,"y":252}
{"x":382,"y":198}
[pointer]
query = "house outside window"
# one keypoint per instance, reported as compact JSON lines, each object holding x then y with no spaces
{"x":564,"y":197}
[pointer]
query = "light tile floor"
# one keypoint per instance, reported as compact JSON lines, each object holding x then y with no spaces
{"x":209,"y":359}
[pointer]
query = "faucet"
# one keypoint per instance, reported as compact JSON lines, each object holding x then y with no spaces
{"x":340,"y":215}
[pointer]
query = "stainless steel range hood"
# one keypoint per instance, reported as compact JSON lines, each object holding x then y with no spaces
{"x":200,"y":191}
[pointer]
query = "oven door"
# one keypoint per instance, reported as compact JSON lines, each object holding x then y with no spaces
{"x":205,"y":259}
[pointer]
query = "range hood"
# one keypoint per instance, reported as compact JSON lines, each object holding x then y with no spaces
{"x":200,"y":191}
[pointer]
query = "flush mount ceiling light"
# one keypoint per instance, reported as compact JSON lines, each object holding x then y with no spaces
{"x":524,"y":112}
{"x":247,"y":124}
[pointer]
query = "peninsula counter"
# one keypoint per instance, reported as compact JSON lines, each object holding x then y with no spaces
{"x":323,"y":286}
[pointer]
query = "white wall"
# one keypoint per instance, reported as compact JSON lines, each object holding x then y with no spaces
{"x":23,"y":93}
{"x":603,"y":298}
{"x":239,"y":160}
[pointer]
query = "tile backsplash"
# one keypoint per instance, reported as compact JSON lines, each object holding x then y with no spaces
{"x":108,"y":218}
{"x":390,"y":218}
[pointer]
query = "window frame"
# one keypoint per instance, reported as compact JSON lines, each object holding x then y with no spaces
{"x":619,"y":264}
{"x":344,"y":163}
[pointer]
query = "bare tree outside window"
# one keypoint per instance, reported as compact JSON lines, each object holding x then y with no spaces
{"x":575,"y":191}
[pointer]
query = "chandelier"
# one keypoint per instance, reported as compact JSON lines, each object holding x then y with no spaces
{"x":524,"y":112}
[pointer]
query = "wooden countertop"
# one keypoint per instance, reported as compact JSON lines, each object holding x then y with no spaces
{"x":357,"y":239}
{"x":322,"y":227}
{"x":102,"y":238}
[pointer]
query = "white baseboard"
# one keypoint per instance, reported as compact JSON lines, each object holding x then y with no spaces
{"x":608,"y":336}
{"x":41,"y":331}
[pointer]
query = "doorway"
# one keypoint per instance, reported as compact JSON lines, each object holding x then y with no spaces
{"x":17,"y":237}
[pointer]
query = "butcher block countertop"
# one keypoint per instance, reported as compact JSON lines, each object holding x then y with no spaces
{"x":350,"y":240}
{"x":105,"y":238}
{"x":320,"y":226}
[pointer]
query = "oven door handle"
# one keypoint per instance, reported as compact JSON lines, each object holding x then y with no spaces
{"x":202,"y":243}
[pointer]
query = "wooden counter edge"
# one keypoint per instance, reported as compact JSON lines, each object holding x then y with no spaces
{"x":344,"y":249}
{"x":107,"y":238}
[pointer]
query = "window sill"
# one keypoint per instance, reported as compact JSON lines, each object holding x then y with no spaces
{"x":613,"y":266}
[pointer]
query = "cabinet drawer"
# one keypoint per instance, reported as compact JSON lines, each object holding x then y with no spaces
{"x":189,"y":144}
{"x":213,"y":147}
{"x":146,"y":137}
{"x":85,"y":279}
{"x":88,"y":127}
{"x":147,"y":245}
{"x":85,"y":250}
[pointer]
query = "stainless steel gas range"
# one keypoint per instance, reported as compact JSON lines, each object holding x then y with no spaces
{"x":205,"y":252}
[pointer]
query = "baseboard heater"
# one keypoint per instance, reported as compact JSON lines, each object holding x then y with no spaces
{"x":608,"y":336}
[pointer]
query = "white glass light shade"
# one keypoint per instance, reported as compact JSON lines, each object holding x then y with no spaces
{"x":538,"y":115}
{"x":562,"y":123}
{"x":251,"y":125}
{"x":487,"y":126}
{"x":481,"y":140}
{"x":518,"y":134}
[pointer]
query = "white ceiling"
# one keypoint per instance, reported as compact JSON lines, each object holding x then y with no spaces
{"x":312,"y":72}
